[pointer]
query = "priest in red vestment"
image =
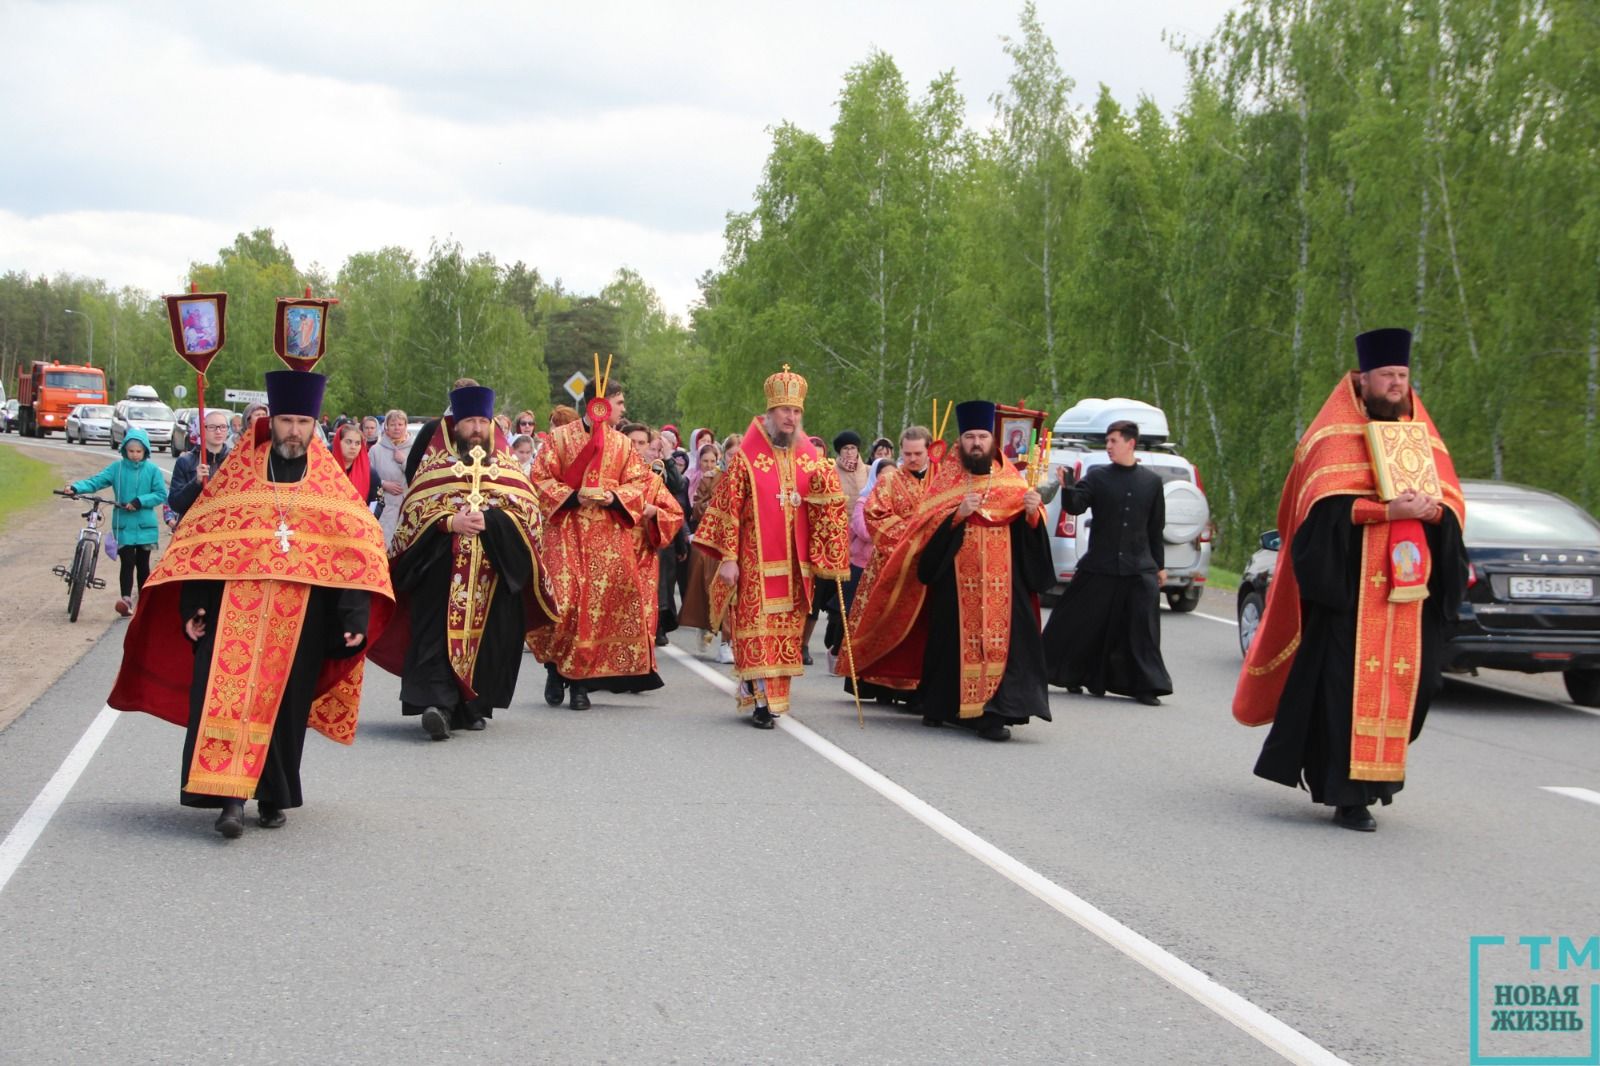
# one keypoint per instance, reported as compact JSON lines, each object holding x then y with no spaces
{"x":260,"y":614}
{"x":955,"y":606}
{"x":1348,"y":653}
{"x":776,"y":525}
{"x":597,"y":498}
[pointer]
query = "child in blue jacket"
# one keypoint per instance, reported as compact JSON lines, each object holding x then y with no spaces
{"x":140,"y":490}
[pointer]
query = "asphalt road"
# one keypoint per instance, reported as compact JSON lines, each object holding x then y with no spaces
{"x":654,"y":881}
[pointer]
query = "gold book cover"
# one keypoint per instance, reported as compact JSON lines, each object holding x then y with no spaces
{"x":1402,"y":459}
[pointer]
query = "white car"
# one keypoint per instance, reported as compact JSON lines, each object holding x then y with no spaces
{"x":89,"y":423}
{"x":1078,"y":442}
{"x":152,"y":416}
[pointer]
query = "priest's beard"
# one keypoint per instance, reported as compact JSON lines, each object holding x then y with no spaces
{"x":288,"y":449}
{"x":466,"y":441}
{"x":1382,"y":410}
{"x":779,"y":438}
{"x":978,"y":462}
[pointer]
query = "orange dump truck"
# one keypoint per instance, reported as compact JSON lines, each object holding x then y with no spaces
{"x":48,"y":391}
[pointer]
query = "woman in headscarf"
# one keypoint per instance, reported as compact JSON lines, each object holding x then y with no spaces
{"x":882,"y":448}
{"x":388,"y":458}
{"x":702,"y":571}
{"x":351,"y":451}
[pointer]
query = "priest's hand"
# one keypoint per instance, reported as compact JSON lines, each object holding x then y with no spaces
{"x":1161,"y":578}
{"x":650,"y":511}
{"x":1031,"y":501}
{"x":1410,"y":504}
{"x":195,"y":628}
{"x":467,"y":523}
{"x":728,"y":572}
{"x":969,"y":503}
{"x":353,"y":639}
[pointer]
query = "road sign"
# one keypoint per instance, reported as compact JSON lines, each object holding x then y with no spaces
{"x":244,"y":396}
{"x":179,"y":392}
{"x":575,"y":386}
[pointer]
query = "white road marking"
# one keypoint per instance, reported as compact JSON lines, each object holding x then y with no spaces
{"x":1215,"y":618}
{"x":1588,"y":795}
{"x":1286,"y":1041}
{"x":15,"y":847}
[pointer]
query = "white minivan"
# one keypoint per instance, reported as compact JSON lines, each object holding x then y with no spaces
{"x":1079,"y":442}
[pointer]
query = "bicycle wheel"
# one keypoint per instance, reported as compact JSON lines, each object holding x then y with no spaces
{"x":82,"y":568}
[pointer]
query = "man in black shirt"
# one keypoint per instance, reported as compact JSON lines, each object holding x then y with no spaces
{"x":1105,"y":634}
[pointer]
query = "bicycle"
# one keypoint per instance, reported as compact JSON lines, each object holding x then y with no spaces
{"x":80,"y":575}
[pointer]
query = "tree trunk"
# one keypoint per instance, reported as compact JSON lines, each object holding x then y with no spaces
{"x":1049,"y":301}
{"x":1302,"y":279}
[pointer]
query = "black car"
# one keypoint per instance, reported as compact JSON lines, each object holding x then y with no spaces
{"x":1533,"y":588}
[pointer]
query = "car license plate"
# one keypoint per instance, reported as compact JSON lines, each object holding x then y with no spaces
{"x":1562,"y":588}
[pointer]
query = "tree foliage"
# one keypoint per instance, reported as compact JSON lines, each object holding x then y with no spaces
{"x":1337,"y":165}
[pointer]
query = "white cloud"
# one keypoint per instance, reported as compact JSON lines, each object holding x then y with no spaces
{"x":575,"y":137}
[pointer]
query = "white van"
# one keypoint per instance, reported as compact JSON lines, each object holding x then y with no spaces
{"x":1078,"y":442}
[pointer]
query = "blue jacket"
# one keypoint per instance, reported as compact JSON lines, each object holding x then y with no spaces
{"x":138,"y":483}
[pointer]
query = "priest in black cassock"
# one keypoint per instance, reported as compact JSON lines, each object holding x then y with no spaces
{"x":1105,"y":634}
{"x":968,"y":628}
{"x":1348,"y":654}
{"x":466,"y":573}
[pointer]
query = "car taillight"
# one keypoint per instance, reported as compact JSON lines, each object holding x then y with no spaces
{"x":1472,"y":575}
{"x":1066,"y":525}
{"x":1198,"y":483}
{"x":1208,"y":532}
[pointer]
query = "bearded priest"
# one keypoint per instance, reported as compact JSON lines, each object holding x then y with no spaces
{"x":277,"y":578}
{"x":466,"y":565}
{"x":966,"y":630}
{"x":776,"y":526}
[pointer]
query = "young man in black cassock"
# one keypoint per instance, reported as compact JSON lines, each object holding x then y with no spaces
{"x":1105,"y":634}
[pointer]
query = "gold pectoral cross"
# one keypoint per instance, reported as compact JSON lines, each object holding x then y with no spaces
{"x":477,"y":470}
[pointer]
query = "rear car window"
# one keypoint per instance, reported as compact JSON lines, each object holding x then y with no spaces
{"x":149,"y":412}
{"x":1530,"y":522}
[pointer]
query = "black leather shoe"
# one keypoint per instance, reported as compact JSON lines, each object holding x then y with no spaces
{"x":555,"y":690}
{"x":1358,"y":818}
{"x":1076,"y":690}
{"x":1149,"y":699}
{"x":579,"y":698}
{"x":230,"y":823}
{"x":805,"y":658}
{"x":436,"y":723}
{"x":478,"y":725}
{"x":931,"y":722}
{"x":762,"y":718}
{"x":995,"y":732}
{"x":661,"y":640}
{"x":270,"y":817}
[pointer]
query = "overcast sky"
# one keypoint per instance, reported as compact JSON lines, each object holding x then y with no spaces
{"x":577,"y":137}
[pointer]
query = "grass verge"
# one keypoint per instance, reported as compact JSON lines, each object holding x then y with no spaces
{"x":24,"y":483}
{"x":1226,"y":580}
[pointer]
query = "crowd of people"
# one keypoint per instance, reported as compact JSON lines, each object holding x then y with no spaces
{"x":446,"y":554}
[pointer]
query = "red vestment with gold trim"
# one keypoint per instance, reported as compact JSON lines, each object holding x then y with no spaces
{"x":1333,"y":459}
{"x":606,"y":636}
{"x":779,"y":512}
{"x":889,"y":625}
{"x":231,"y":535}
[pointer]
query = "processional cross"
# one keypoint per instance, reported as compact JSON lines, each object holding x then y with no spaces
{"x":477,"y":470}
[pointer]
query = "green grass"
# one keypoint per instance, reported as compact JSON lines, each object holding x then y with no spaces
{"x":24,"y":482}
{"x":1227,"y":580}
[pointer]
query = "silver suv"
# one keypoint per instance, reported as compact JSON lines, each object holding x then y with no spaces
{"x":1078,"y":442}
